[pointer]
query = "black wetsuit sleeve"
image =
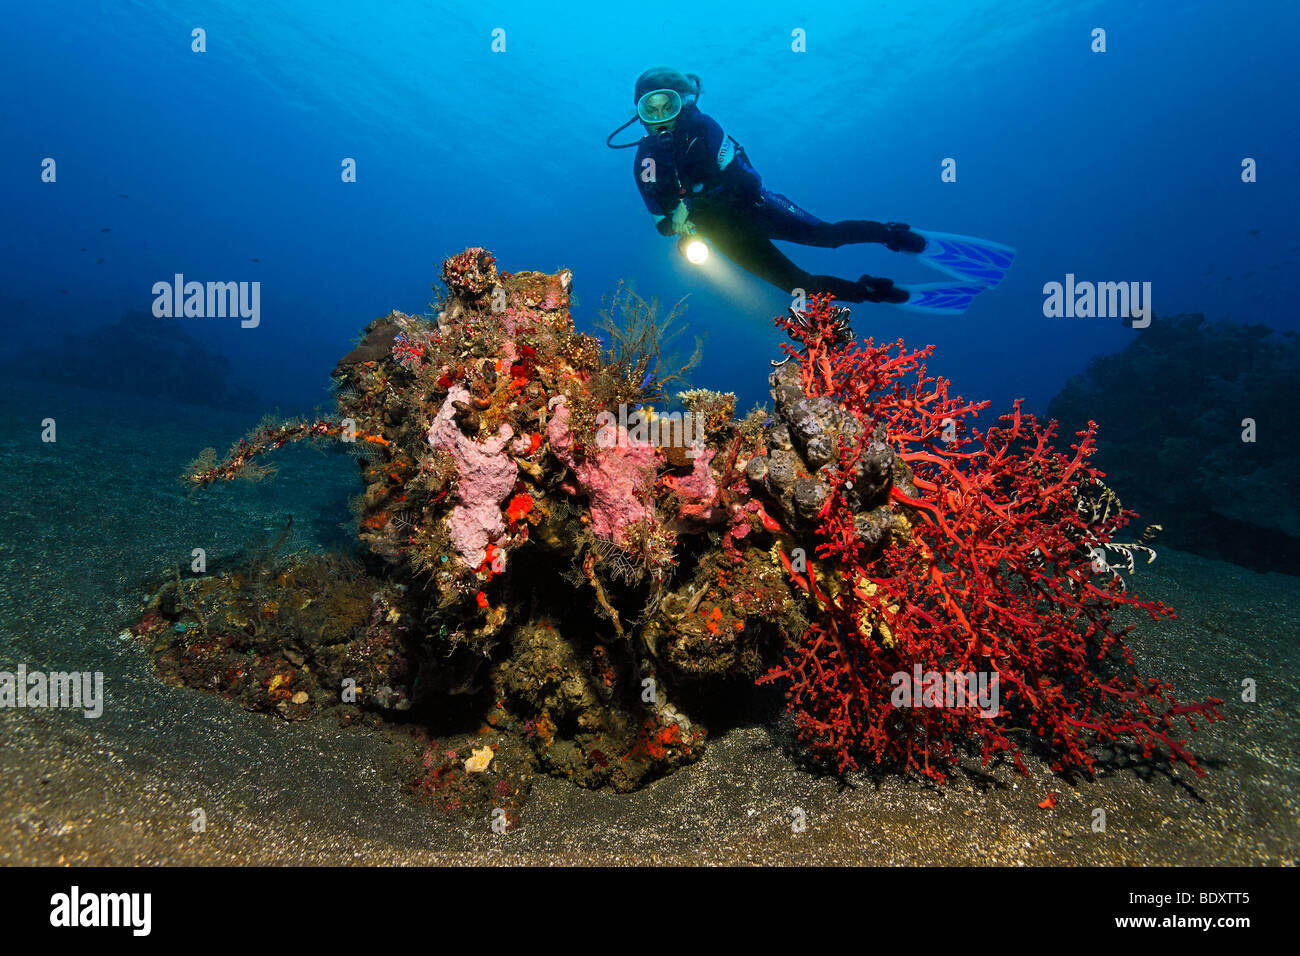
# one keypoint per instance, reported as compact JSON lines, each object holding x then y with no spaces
{"x":661,"y":194}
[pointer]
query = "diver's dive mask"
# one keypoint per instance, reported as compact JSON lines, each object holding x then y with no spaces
{"x":654,"y":108}
{"x":658,"y":106}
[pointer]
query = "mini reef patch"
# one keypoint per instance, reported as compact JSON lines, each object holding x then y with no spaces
{"x":550,"y":590}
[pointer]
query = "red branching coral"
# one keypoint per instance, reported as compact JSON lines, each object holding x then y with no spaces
{"x":994,"y":578}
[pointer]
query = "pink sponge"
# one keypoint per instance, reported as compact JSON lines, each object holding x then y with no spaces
{"x":486,"y":474}
{"x":698,"y":489}
{"x":618,"y":481}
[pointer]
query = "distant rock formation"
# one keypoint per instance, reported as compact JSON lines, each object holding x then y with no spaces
{"x":138,"y":355}
{"x":1198,"y":433}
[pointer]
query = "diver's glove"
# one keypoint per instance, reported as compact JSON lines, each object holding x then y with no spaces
{"x":901,"y":238}
{"x":681,"y":217}
{"x":881,"y":290}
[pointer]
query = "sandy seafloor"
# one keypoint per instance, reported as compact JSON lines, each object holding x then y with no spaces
{"x":88,"y":520}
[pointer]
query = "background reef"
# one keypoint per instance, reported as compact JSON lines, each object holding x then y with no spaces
{"x":137,"y":355}
{"x":1172,"y":408}
{"x":556,"y":575}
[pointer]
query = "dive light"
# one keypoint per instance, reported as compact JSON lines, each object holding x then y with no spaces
{"x":693,"y":249}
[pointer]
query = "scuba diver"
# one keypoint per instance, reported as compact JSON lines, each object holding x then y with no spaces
{"x":696,"y":181}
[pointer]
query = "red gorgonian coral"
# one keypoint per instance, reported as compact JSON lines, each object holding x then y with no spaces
{"x":995,"y":576}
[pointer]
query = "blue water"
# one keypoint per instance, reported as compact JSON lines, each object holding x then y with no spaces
{"x":1123,"y":165}
{"x":225,"y":166}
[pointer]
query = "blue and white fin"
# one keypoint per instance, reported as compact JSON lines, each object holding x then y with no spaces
{"x":967,"y":258}
{"x":942,"y":298}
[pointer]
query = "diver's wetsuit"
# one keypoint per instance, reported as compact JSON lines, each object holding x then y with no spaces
{"x":708,"y":170}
